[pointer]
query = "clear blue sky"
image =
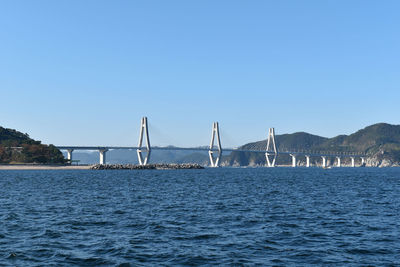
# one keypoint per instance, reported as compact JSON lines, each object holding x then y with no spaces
{"x":85,"y":72}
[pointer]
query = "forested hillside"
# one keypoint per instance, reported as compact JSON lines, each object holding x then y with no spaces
{"x":17,"y":147}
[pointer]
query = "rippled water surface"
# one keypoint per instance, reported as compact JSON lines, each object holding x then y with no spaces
{"x":223,"y":216}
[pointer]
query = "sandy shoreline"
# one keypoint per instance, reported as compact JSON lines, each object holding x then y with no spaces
{"x":45,"y":167}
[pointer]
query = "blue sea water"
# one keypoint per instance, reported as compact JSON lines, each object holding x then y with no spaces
{"x":224,"y":216}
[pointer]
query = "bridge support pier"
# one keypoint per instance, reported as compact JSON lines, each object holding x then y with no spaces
{"x":362,"y":161}
{"x":103,"y":155}
{"x":323,"y":161}
{"x":307,"y":161}
{"x":293,"y":160}
{"x":339,"y":163}
{"x":352,"y":162}
{"x":69,"y":154}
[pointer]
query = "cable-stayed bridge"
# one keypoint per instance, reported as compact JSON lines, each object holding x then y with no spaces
{"x":215,"y":150}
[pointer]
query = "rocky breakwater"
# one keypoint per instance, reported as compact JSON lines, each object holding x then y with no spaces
{"x":146,"y":167}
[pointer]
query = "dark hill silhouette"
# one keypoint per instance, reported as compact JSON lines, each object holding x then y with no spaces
{"x":17,"y":147}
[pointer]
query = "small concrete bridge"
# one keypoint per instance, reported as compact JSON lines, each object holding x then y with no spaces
{"x":215,"y":150}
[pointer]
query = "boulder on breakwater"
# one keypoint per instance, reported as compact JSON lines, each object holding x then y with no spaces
{"x":146,"y":167}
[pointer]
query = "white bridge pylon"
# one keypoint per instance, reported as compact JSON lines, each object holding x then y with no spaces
{"x":271,"y":148}
{"x":215,"y":132}
{"x":144,"y":129}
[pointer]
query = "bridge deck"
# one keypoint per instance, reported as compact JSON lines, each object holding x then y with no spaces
{"x":309,"y":153}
